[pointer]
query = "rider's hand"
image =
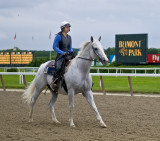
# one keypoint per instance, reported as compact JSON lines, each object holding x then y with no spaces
{"x":70,"y":53}
{"x":65,"y":53}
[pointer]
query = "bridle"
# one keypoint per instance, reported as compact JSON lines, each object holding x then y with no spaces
{"x":90,"y":59}
{"x":86,"y":59}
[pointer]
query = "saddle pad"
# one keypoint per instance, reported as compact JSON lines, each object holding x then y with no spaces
{"x":50,"y":67}
{"x":50,"y":70}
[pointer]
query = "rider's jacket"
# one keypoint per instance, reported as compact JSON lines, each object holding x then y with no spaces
{"x":62,"y":43}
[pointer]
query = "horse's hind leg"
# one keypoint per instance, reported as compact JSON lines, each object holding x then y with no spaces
{"x":51,"y":106}
{"x":33,"y":101}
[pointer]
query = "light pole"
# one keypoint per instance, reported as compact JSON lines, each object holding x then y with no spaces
{"x":51,"y":44}
{"x":50,"y":54}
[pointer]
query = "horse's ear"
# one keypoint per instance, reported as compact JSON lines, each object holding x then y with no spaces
{"x":99,"y":38}
{"x":91,"y":38}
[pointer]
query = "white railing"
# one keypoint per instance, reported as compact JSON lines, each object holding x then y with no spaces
{"x":22,"y":74}
{"x":93,"y":74}
{"x":121,"y":70}
{"x":98,"y":69}
{"x":126,"y":74}
{"x":17,"y":73}
{"x":23,"y":69}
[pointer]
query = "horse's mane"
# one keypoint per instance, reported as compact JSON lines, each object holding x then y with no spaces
{"x":84,"y":45}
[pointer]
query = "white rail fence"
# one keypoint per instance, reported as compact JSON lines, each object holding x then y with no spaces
{"x":122,"y":70}
{"x":23,"y":74}
{"x":97,"y":69}
{"x":21,"y":69}
{"x":93,"y":69}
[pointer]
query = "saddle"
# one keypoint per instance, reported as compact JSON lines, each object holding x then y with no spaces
{"x":50,"y":67}
{"x":50,"y":70}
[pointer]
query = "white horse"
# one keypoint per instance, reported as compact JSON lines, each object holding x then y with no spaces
{"x":77,"y":78}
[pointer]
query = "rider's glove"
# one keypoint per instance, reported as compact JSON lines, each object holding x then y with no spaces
{"x":64,"y":53}
{"x":72,"y":54}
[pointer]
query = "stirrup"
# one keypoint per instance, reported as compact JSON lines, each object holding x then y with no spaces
{"x":54,"y":81}
{"x":53,"y":84}
{"x":54,"y":88}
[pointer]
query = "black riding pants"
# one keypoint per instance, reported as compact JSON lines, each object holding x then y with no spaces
{"x":59,"y":64}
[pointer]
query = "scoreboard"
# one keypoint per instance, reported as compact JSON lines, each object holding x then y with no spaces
{"x":131,"y":48}
{"x":5,"y":58}
{"x":15,"y":58}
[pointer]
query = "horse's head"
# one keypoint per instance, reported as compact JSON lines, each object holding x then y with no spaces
{"x":97,"y":51}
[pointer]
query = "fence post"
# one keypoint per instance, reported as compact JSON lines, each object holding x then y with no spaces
{"x":3,"y":86}
{"x":102,"y":84}
{"x":24,"y":81}
{"x":130,"y":86}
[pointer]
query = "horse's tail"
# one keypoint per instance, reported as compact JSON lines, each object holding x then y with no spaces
{"x":28,"y":93}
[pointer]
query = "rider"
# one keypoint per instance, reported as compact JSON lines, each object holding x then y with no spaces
{"x":63,"y":46}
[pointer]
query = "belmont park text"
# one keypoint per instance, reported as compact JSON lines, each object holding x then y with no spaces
{"x":130,"y":44}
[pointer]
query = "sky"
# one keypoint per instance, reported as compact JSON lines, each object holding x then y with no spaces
{"x":33,"y":20}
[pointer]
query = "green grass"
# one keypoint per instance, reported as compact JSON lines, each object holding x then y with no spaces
{"x":12,"y":81}
{"x":120,"y":84}
{"x":111,"y":83}
{"x":1,"y":70}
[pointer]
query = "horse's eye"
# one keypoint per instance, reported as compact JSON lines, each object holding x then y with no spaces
{"x":96,"y":48}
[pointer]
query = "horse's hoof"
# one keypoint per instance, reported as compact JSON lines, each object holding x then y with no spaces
{"x":30,"y":120}
{"x":56,"y":121}
{"x":103,"y":125}
{"x":73,"y":126}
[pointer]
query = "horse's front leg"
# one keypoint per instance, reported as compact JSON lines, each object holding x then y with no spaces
{"x":71,"y":107}
{"x":89,"y":97}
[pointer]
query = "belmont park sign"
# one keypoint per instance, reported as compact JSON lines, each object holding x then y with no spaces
{"x":131,"y":48}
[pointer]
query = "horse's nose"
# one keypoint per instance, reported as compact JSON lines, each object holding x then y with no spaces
{"x":105,"y":59}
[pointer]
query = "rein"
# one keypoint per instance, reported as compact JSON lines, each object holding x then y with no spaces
{"x":85,"y":59}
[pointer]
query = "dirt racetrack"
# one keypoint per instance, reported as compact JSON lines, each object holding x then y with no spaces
{"x":127,"y":118}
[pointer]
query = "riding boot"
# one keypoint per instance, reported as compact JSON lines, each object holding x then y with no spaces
{"x":57,"y":74}
{"x":54,"y":85}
